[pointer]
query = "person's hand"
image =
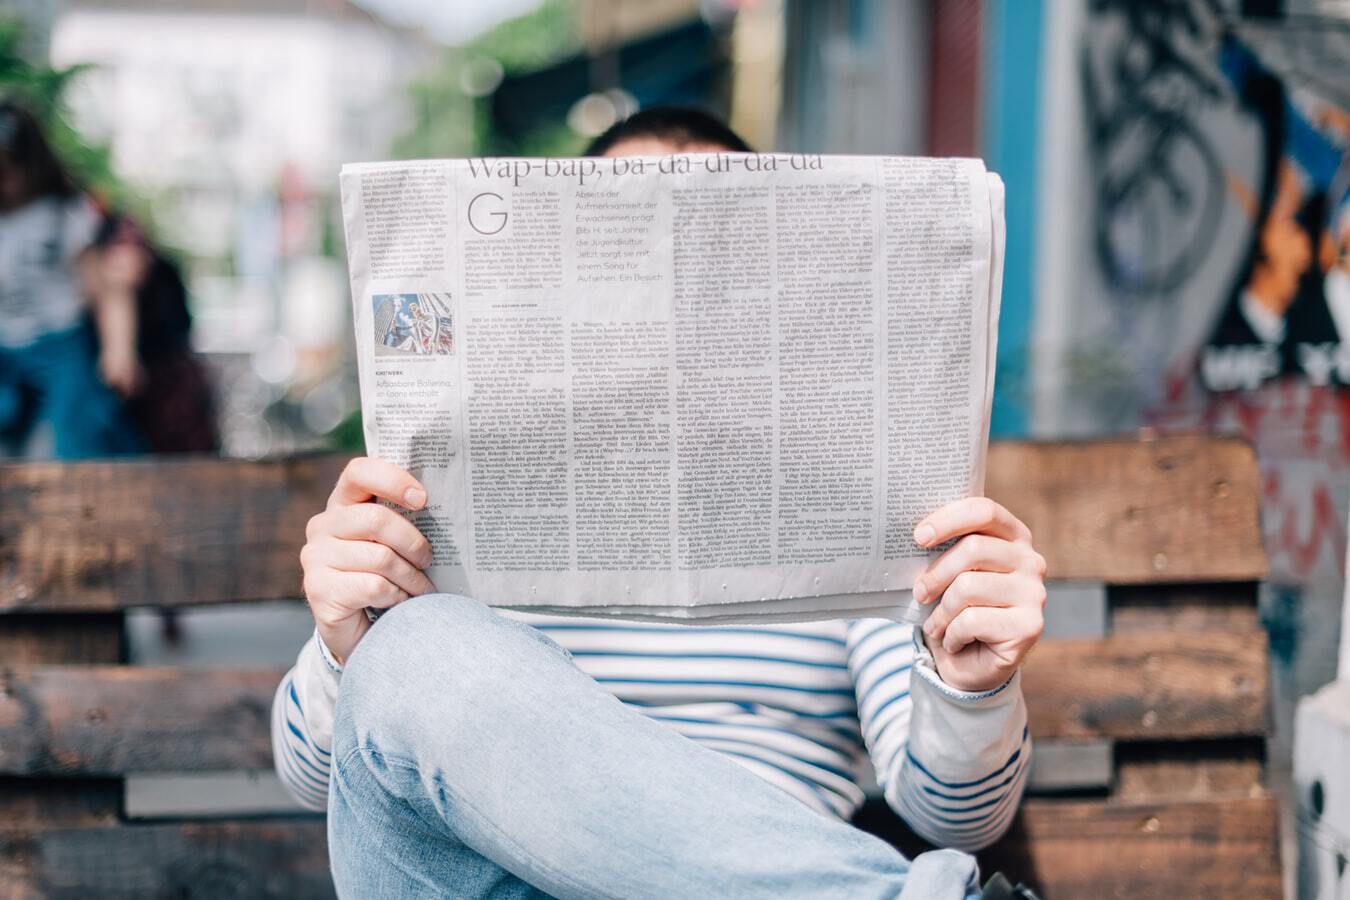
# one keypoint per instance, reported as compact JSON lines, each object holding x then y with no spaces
{"x":122,"y":372}
{"x":990,"y":592}
{"x":123,"y":266}
{"x":111,"y":278}
{"x":358,"y":553}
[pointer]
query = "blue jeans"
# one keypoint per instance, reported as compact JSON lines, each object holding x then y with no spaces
{"x":55,"y":380}
{"x":472,"y":759}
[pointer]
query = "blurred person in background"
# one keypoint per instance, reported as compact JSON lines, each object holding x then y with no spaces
{"x":67,"y":335}
{"x":94,"y":320}
{"x":470,"y":752}
{"x":171,"y":398}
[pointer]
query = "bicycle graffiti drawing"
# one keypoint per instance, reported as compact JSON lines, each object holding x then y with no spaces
{"x":1160,"y":184}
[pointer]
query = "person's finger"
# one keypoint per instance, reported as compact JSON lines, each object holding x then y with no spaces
{"x":984,"y":624}
{"x":337,"y":597}
{"x":334,"y":596}
{"x":374,"y":590}
{"x":372,"y":522}
{"x":1010,"y":633}
{"x":365,"y":479}
{"x":368,"y":556}
{"x":975,"y":552}
{"x":972,"y":515}
{"x":971,"y":589}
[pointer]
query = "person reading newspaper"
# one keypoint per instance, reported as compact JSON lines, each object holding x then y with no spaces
{"x":470,"y":752}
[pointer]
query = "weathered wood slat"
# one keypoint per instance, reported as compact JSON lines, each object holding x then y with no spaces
{"x":115,"y":720}
{"x":1149,"y":685}
{"x":275,"y":858}
{"x":93,"y":638}
{"x":1180,"y":607}
{"x":166,"y":532}
{"x":1074,"y":849}
{"x":118,"y":719}
{"x":59,"y":801}
{"x":1067,"y":849}
{"x":100,"y":536}
{"x":1175,"y":771}
{"x":1133,"y":512}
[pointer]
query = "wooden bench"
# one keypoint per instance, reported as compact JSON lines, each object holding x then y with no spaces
{"x":1149,"y":693}
{"x":1152,"y":719}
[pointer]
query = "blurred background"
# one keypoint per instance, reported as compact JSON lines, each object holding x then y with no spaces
{"x":1177,"y":170}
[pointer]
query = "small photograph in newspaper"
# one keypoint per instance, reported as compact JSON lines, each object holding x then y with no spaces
{"x":413,"y":323}
{"x":698,"y":388}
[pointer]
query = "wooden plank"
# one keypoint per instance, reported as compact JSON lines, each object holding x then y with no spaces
{"x":101,"y":536}
{"x":1149,"y":685}
{"x":1180,"y":607}
{"x":1190,"y":771}
{"x":1075,"y":848}
{"x":114,"y":720}
{"x":1066,"y":849}
{"x":166,"y":532}
{"x":1132,"y":512}
{"x":94,"y":638}
{"x":274,"y":858}
{"x":60,"y":801}
{"x":71,"y":638}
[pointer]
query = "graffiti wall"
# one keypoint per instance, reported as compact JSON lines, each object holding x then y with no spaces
{"x":1287,"y":313}
{"x":1216,"y":283}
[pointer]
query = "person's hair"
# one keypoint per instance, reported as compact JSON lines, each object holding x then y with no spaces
{"x":679,"y":125}
{"x":24,"y":146}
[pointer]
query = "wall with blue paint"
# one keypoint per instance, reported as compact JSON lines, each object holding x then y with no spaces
{"x":1013,"y":38}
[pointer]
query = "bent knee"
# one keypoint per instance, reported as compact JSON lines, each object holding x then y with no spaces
{"x":439,"y":655}
{"x":413,"y":637}
{"x":430,"y":617}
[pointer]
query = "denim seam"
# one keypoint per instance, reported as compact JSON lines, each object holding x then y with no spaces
{"x":358,"y":811}
{"x":506,"y":841}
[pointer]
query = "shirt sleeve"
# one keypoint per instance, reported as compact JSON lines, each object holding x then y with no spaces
{"x":302,"y":724}
{"x":953,"y":764}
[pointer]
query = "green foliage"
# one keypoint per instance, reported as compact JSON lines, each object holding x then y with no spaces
{"x":449,"y":122}
{"x":348,"y":435}
{"x":548,"y":139}
{"x":545,"y":35}
{"x":42,"y":89}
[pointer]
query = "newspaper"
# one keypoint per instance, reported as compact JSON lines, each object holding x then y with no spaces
{"x":699,"y":387}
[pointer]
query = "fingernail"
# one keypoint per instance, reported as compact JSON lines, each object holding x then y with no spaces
{"x":414,"y":497}
{"x":924,"y":534}
{"x":920,"y":592}
{"x":928,"y":628}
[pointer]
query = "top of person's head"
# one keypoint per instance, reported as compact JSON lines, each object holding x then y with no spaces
{"x":679,"y":127}
{"x":25,"y":151}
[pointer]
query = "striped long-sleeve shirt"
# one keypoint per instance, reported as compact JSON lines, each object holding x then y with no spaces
{"x":817,"y":709}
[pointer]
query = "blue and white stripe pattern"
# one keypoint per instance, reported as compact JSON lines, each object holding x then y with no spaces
{"x":967,"y":814}
{"x":813,"y":708}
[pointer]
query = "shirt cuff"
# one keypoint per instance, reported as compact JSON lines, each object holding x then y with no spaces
{"x":333,"y":665}
{"x":925,"y":665}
